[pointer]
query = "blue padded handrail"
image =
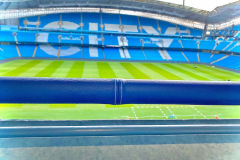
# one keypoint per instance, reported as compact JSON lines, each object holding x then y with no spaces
{"x":118,"y":91}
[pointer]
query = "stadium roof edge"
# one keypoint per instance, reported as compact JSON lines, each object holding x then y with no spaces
{"x":19,"y":13}
{"x":219,"y":15}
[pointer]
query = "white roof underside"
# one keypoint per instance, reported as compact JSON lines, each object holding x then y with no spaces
{"x":208,"y":5}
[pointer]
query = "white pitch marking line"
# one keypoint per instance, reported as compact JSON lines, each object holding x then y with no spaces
{"x":134,"y":112}
{"x":170,"y":111}
{"x":162,"y":112}
{"x":199,"y":112}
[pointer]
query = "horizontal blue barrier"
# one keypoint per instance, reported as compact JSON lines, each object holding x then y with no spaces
{"x":46,"y":90}
{"x":118,"y":91}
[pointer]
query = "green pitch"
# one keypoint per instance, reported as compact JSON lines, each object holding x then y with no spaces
{"x":125,"y":70}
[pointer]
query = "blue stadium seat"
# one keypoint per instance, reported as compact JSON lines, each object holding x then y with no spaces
{"x":110,"y":19}
{"x":70,"y":52}
{"x":204,"y":57}
{"x":21,"y":36}
{"x":235,"y":48}
{"x":72,"y":17}
{"x":92,"y":53}
{"x":222,"y":45}
{"x":8,"y":51}
{"x":207,"y":44}
{"x":165,"y":25}
{"x":192,"y":56}
{"x":136,"y":54}
{"x":26,"y":50}
{"x":134,"y":41}
{"x":129,"y":20}
{"x":47,"y":51}
{"x":230,"y":62}
{"x":195,"y":32}
{"x":175,"y":44}
{"x":110,"y":40}
{"x":177,"y":56}
{"x":112,"y":54}
{"x":6,"y":36}
{"x":189,"y":44}
{"x":153,"y":55}
{"x":148,"y":22}
{"x":91,"y":18}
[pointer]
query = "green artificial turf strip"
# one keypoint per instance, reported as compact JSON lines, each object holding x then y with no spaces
{"x":90,"y":70}
{"x":166,"y":74}
{"x":201,"y":72}
{"x":135,"y":72}
{"x":187,"y":72}
{"x":76,"y":70}
{"x":105,"y":70}
{"x":50,"y":69}
{"x":179,"y":74}
{"x":221,"y":73}
{"x":101,"y":111}
{"x":150,"y":73}
{"x":36,"y":69}
{"x":220,"y":70}
{"x":62,"y":71}
{"x":22,"y":68}
{"x":120,"y":71}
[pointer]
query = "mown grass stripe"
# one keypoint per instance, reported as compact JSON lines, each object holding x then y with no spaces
{"x":150,"y":73}
{"x":11,"y":65}
{"x":50,"y":69}
{"x":76,"y":70}
{"x":120,"y":71}
{"x":191,"y":74}
{"x":136,"y":73}
{"x":162,"y":72}
{"x":221,"y":73}
{"x":63,"y":70}
{"x":179,"y":74}
{"x":105,"y":71}
{"x":206,"y":73}
{"x":224,"y":71}
{"x":90,"y":70}
{"x":22,"y":68}
{"x":34,"y":70}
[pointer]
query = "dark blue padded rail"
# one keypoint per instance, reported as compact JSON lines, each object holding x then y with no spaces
{"x":47,"y":90}
{"x":117,"y":91}
{"x":180,"y":92}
